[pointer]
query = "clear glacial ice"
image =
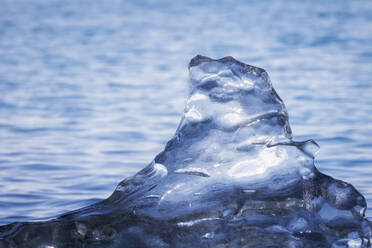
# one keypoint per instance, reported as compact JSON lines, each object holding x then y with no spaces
{"x":231,"y":176}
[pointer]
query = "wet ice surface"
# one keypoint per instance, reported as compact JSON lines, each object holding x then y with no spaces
{"x":231,"y":176}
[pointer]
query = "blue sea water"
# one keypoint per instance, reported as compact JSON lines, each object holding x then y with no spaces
{"x":92,"y":90}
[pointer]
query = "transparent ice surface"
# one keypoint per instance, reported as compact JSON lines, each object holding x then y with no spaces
{"x":231,"y":176}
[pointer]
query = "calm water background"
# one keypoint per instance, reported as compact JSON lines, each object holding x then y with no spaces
{"x":92,"y":90}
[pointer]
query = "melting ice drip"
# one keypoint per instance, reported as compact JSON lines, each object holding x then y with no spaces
{"x":230,"y":177}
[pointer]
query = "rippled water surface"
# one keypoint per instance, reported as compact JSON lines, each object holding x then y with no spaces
{"x":92,"y":90}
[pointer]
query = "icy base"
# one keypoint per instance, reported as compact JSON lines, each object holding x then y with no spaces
{"x":230,"y":177}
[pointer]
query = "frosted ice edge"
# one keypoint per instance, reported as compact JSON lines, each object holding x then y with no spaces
{"x":231,"y":177}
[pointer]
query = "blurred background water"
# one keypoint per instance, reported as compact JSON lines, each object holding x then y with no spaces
{"x":92,"y":90}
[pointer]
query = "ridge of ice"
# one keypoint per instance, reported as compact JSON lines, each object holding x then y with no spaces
{"x":231,"y":176}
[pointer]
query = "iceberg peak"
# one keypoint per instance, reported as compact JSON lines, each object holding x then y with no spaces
{"x":234,"y":119}
{"x":234,"y":95}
